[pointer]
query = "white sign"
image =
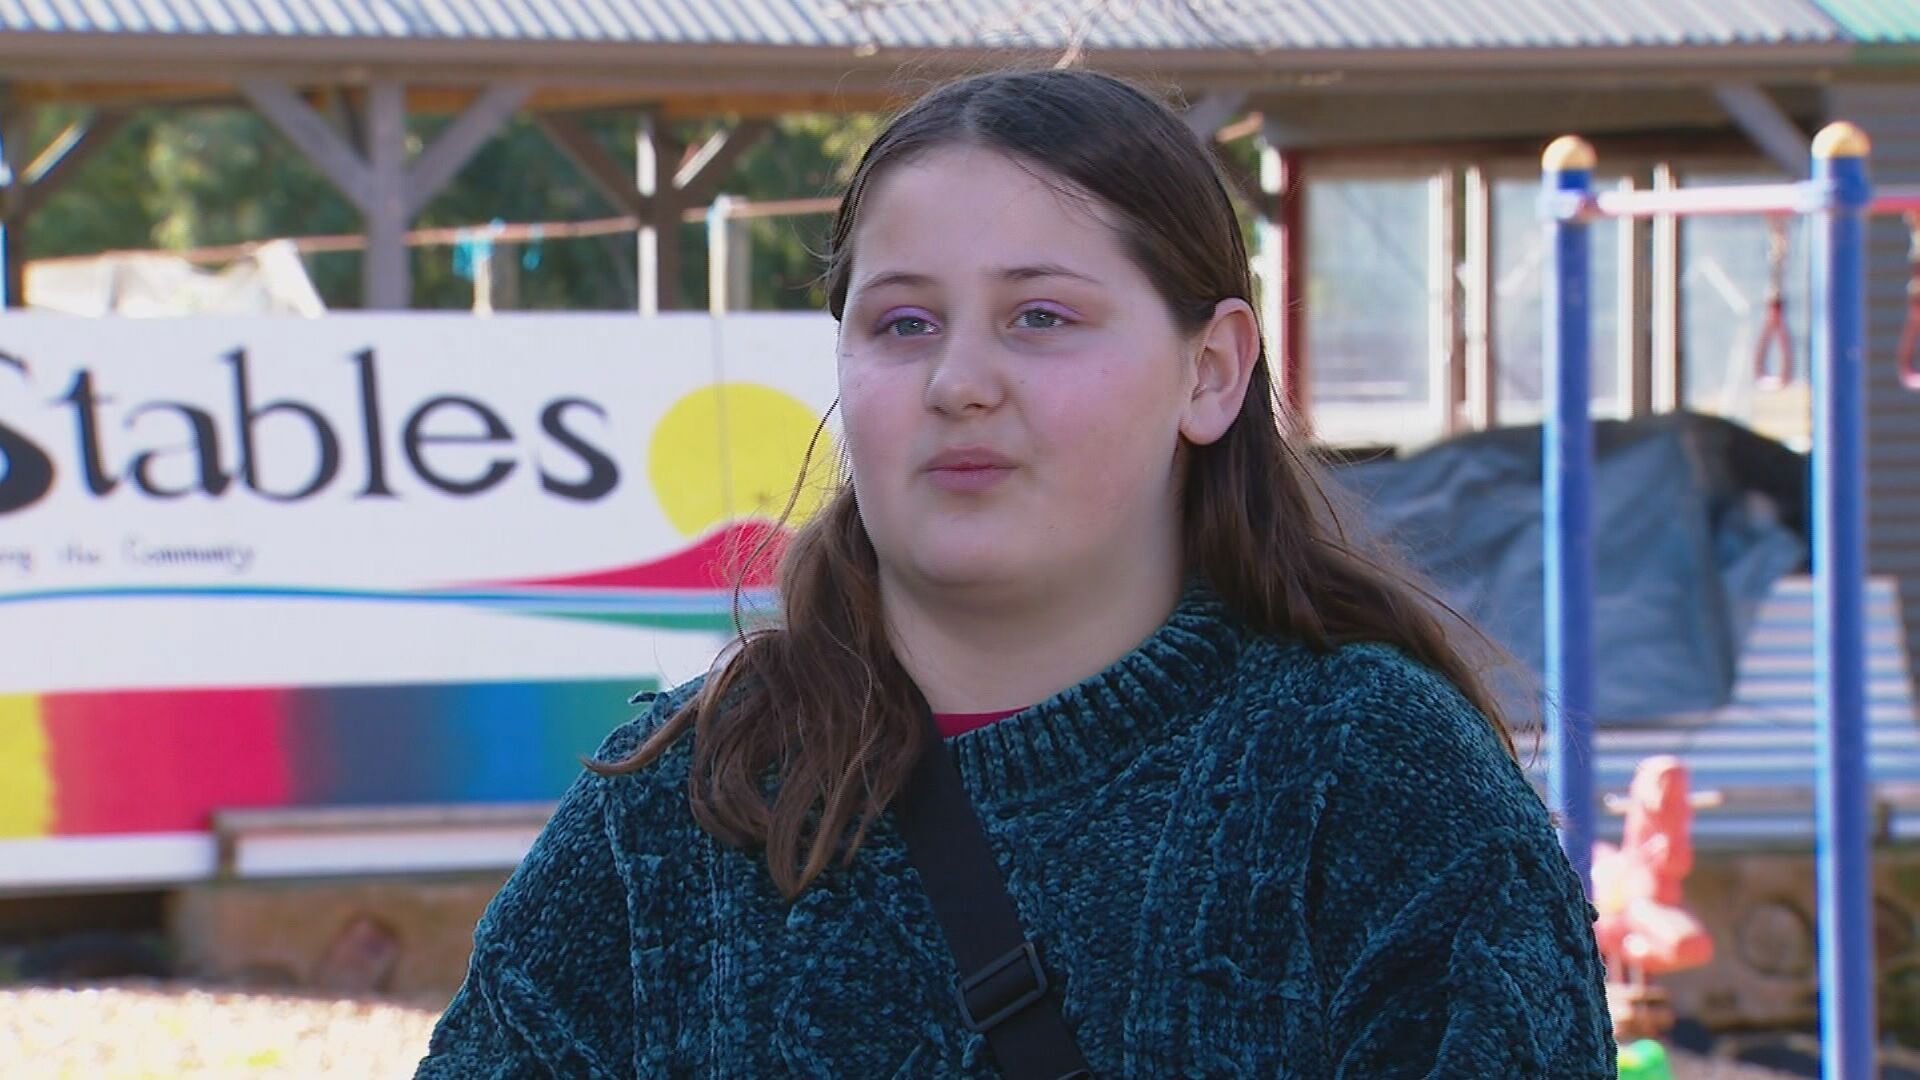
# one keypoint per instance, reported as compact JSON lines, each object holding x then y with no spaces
{"x":386,"y":498}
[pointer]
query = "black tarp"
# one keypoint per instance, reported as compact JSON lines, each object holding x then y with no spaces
{"x":1694,"y":519}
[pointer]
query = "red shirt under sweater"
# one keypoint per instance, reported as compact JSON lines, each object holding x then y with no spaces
{"x":958,"y":723}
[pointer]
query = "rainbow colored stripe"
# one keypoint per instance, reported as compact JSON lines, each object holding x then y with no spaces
{"x":691,"y":589}
{"x":153,"y":761}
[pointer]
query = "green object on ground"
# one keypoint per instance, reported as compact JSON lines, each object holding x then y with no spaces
{"x":1644,"y":1060}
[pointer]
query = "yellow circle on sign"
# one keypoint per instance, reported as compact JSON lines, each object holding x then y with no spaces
{"x":734,"y":450}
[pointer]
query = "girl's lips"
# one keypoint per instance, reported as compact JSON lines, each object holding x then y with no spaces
{"x":969,"y":457}
{"x":968,"y":469}
{"x":968,"y":478}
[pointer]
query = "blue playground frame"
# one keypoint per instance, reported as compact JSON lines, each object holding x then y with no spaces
{"x":1839,"y":197}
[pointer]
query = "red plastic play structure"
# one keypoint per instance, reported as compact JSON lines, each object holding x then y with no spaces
{"x":1644,"y":930}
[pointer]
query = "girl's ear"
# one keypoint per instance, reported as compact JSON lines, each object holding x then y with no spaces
{"x":1225,"y":352}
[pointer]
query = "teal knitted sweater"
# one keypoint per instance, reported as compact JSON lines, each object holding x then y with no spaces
{"x":1242,"y":856}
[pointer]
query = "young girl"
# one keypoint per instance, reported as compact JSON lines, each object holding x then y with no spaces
{"x":1257,"y":813}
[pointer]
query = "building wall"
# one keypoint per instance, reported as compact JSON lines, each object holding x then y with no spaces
{"x":1890,"y":114}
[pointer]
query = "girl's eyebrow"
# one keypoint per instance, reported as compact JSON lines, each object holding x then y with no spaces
{"x":1005,"y":273}
{"x":1044,"y":270}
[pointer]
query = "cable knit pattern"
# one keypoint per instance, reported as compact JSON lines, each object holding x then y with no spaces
{"x":1243,"y":857}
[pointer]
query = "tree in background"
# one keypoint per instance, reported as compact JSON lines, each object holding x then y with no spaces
{"x":176,"y":179}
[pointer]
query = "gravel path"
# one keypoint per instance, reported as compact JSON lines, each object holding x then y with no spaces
{"x":171,"y":1031}
{"x":133,"y":1031}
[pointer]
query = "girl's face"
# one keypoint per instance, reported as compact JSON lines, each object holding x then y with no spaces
{"x":1014,"y":391}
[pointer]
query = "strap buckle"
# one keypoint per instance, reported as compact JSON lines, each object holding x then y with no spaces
{"x":1002,"y":988}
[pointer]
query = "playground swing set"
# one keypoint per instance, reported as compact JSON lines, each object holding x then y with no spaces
{"x":1776,"y":332}
{"x":1836,"y":200}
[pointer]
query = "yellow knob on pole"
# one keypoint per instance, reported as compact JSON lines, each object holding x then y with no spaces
{"x":1568,"y":152}
{"x":1841,"y":139}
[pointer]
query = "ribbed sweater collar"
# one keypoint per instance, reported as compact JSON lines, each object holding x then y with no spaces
{"x":1085,"y":731}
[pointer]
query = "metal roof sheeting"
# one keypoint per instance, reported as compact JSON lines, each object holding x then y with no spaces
{"x":1333,"y":25}
{"x":1877,"y":22}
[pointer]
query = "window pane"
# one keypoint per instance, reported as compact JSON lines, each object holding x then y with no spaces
{"x":1367,"y":332}
{"x":1519,"y":271}
{"x":1723,"y":285}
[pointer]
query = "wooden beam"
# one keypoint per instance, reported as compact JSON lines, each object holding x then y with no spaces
{"x":608,"y":177}
{"x":657,"y":256}
{"x":1619,"y":150}
{"x":702,"y":176}
{"x":33,"y":177}
{"x":104,"y":94}
{"x":691,"y":165}
{"x":1244,"y":128}
{"x":43,"y":162}
{"x":53,"y":168}
{"x":688,"y":106}
{"x":16,"y":130}
{"x":16,"y":258}
{"x":345,"y":109}
{"x":1283,"y":298}
{"x":384,"y":276}
{"x":313,"y":137}
{"x":744,"y":105}
{"x":441,"y":100}
{"x":1209,"y":114}
{"x":462,"y":139}
{"x":1767,"y":124}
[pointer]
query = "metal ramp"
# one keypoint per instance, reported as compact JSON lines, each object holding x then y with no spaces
{"x":1758,"y":751}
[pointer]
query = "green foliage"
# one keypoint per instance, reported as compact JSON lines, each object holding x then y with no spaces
{"x":818,"y":153}
{"x":808,"y":155}
{"x":185,"y":178}
{"x":107,"y":206}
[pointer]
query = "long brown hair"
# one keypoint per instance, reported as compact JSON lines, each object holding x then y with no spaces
{"x":818,"y":704}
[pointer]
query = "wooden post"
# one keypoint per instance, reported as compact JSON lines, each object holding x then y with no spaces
{"x":657,"y":192}
{"x":656,"y":155}
{"x":385,"y":278}
{"x":1482,"y":390}
{"x":376,"y":177}
{"x":1667,"y":386}
{"x":1445,"y":360}
{"x":1283,"y":183}
{"x":1634,"y":382}
{"x":33,"y":178}
{"x":16,"y":126}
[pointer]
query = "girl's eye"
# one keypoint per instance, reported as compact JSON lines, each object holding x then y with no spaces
{"x":907,"y":326}
{"x":1040,"y":319}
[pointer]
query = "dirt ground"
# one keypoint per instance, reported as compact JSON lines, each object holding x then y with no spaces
{"x":156,"y":1031}
{"x":143,"y":1030}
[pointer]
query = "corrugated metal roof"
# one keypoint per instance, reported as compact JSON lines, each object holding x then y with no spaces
{"x":1142,"y":24}
{"x":1877,"y":22}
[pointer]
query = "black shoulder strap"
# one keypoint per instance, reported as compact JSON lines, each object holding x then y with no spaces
{"x":1004,"y":991}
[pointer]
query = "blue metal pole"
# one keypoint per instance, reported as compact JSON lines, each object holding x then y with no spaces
{"x":1567,"y":476}
{"x":1843,"y":855}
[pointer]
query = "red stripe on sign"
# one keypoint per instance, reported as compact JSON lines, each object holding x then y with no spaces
{"x":163,"y":760}
{"x":716,"y":561}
